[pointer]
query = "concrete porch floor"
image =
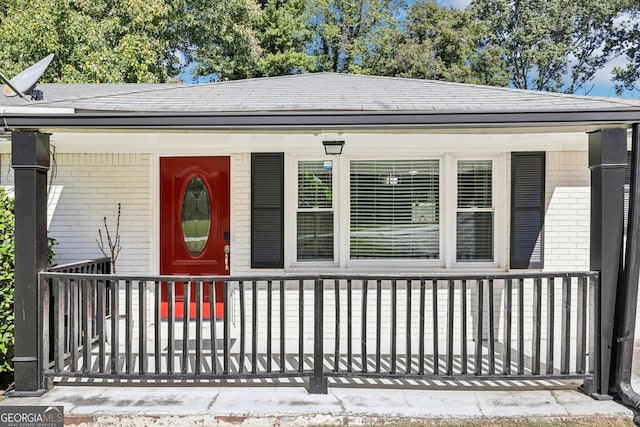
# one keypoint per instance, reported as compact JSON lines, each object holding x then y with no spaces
{"x":289,"y":405}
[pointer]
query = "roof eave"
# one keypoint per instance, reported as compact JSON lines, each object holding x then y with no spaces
{"x":311,"y":120}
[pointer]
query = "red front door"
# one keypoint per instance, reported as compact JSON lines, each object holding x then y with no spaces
{"x":194,"y":226}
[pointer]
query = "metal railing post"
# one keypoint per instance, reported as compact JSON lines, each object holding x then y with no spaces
{"x":318,"y":382}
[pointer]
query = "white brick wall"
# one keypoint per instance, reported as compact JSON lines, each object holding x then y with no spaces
{"x":566,"y":246}
{"x":241,"y":213}
{"x":92,"y":186}
{"x":6,"y":173}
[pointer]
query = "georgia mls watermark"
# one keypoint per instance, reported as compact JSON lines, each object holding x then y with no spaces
{"x":31,"y":416}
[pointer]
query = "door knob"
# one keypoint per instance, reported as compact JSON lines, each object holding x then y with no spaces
{"x":227,"y":249}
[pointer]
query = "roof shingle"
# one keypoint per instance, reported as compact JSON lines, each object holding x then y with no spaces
{"x":313,"y":92}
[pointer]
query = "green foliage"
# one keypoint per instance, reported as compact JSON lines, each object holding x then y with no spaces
{"x":93,"y":40}
{"x":7,"y":284}
{"x":626,"y":41}
{"x":553,"y":45}
{"x":440,"y":44}
{"x":283,"y":35}
{"x":7,"y":258}
{"x":221,"y":37}
{"x":352,"y":35}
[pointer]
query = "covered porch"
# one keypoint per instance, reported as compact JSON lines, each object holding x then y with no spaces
{"x":468,"y":299}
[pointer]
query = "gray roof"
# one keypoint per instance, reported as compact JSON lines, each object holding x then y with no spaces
{"x":314,"y":92}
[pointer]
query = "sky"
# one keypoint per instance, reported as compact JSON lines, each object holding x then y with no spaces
{"x":459,"y":4}
{"x":601,"y":85}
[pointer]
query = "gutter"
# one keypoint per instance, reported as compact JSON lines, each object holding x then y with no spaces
{"x":626,"y":330}
{"x":316,"y":120}
{"x":35,"y":110}
{"x":6,"y":111}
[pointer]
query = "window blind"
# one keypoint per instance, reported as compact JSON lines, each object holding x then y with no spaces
{"x":627,"y":187}
{"x":315,"y":211}
{"x":475,"y":184}
{"x":315,"y":184}
{"x":475,"y":216}
{"x":395,"y":209}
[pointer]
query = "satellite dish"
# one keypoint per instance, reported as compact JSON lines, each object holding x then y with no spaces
{"x":24,"y":83}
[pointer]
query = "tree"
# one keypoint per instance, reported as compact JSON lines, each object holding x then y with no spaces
{"x":440,"y":43}
{"x":554,"y":45}
{"x":93,"y":40}
{"x":283,"y":36}
{"x":348,"y":35}
{"x":626,"y":41}
{"x":220,"y":37}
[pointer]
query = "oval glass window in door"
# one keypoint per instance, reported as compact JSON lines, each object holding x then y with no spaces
{"x":196,"y":216}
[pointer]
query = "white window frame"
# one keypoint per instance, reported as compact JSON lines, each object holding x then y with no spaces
{"x":499,"y":208}
{"x":292,"y":209}
{"x":448,"y":208}
{"x":345,"y":176}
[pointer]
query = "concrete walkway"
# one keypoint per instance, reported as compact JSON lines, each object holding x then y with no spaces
{"x":293,"y":406}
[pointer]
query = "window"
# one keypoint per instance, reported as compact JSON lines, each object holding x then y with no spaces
{"x":474,"y":211}
{"x":196,"y":216}
{"x":441,"y":211}
{"x":315,"y":211}
{"x":395,"y":209}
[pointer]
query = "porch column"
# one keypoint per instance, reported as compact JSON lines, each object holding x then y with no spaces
{"x":607,"y":160}
{"x":30,"y":158}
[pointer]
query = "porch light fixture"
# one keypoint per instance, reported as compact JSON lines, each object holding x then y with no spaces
{"x":333,"y":147}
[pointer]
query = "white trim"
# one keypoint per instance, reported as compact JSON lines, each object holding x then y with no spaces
{"x":403,"y":142}
{"x":499,"y":183}
{"x":291,"y":212}
{"x":232,"y":221}
{"x":344,"y":215}
{"x":36,"y":110}
{"x":386,"y":263}
{"x":448,"y":209}
{"x":503,"y":208}
{"x":155,"y":214}
{"x":290,"y":201}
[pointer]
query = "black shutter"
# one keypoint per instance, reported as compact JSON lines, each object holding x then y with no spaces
{"x":527,"y":210}
{"x":267,"y":210}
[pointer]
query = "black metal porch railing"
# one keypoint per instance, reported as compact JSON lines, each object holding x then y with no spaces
{"x":453,"y":327}
{"x":69,"y":301}
{"x":95,"y":266}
